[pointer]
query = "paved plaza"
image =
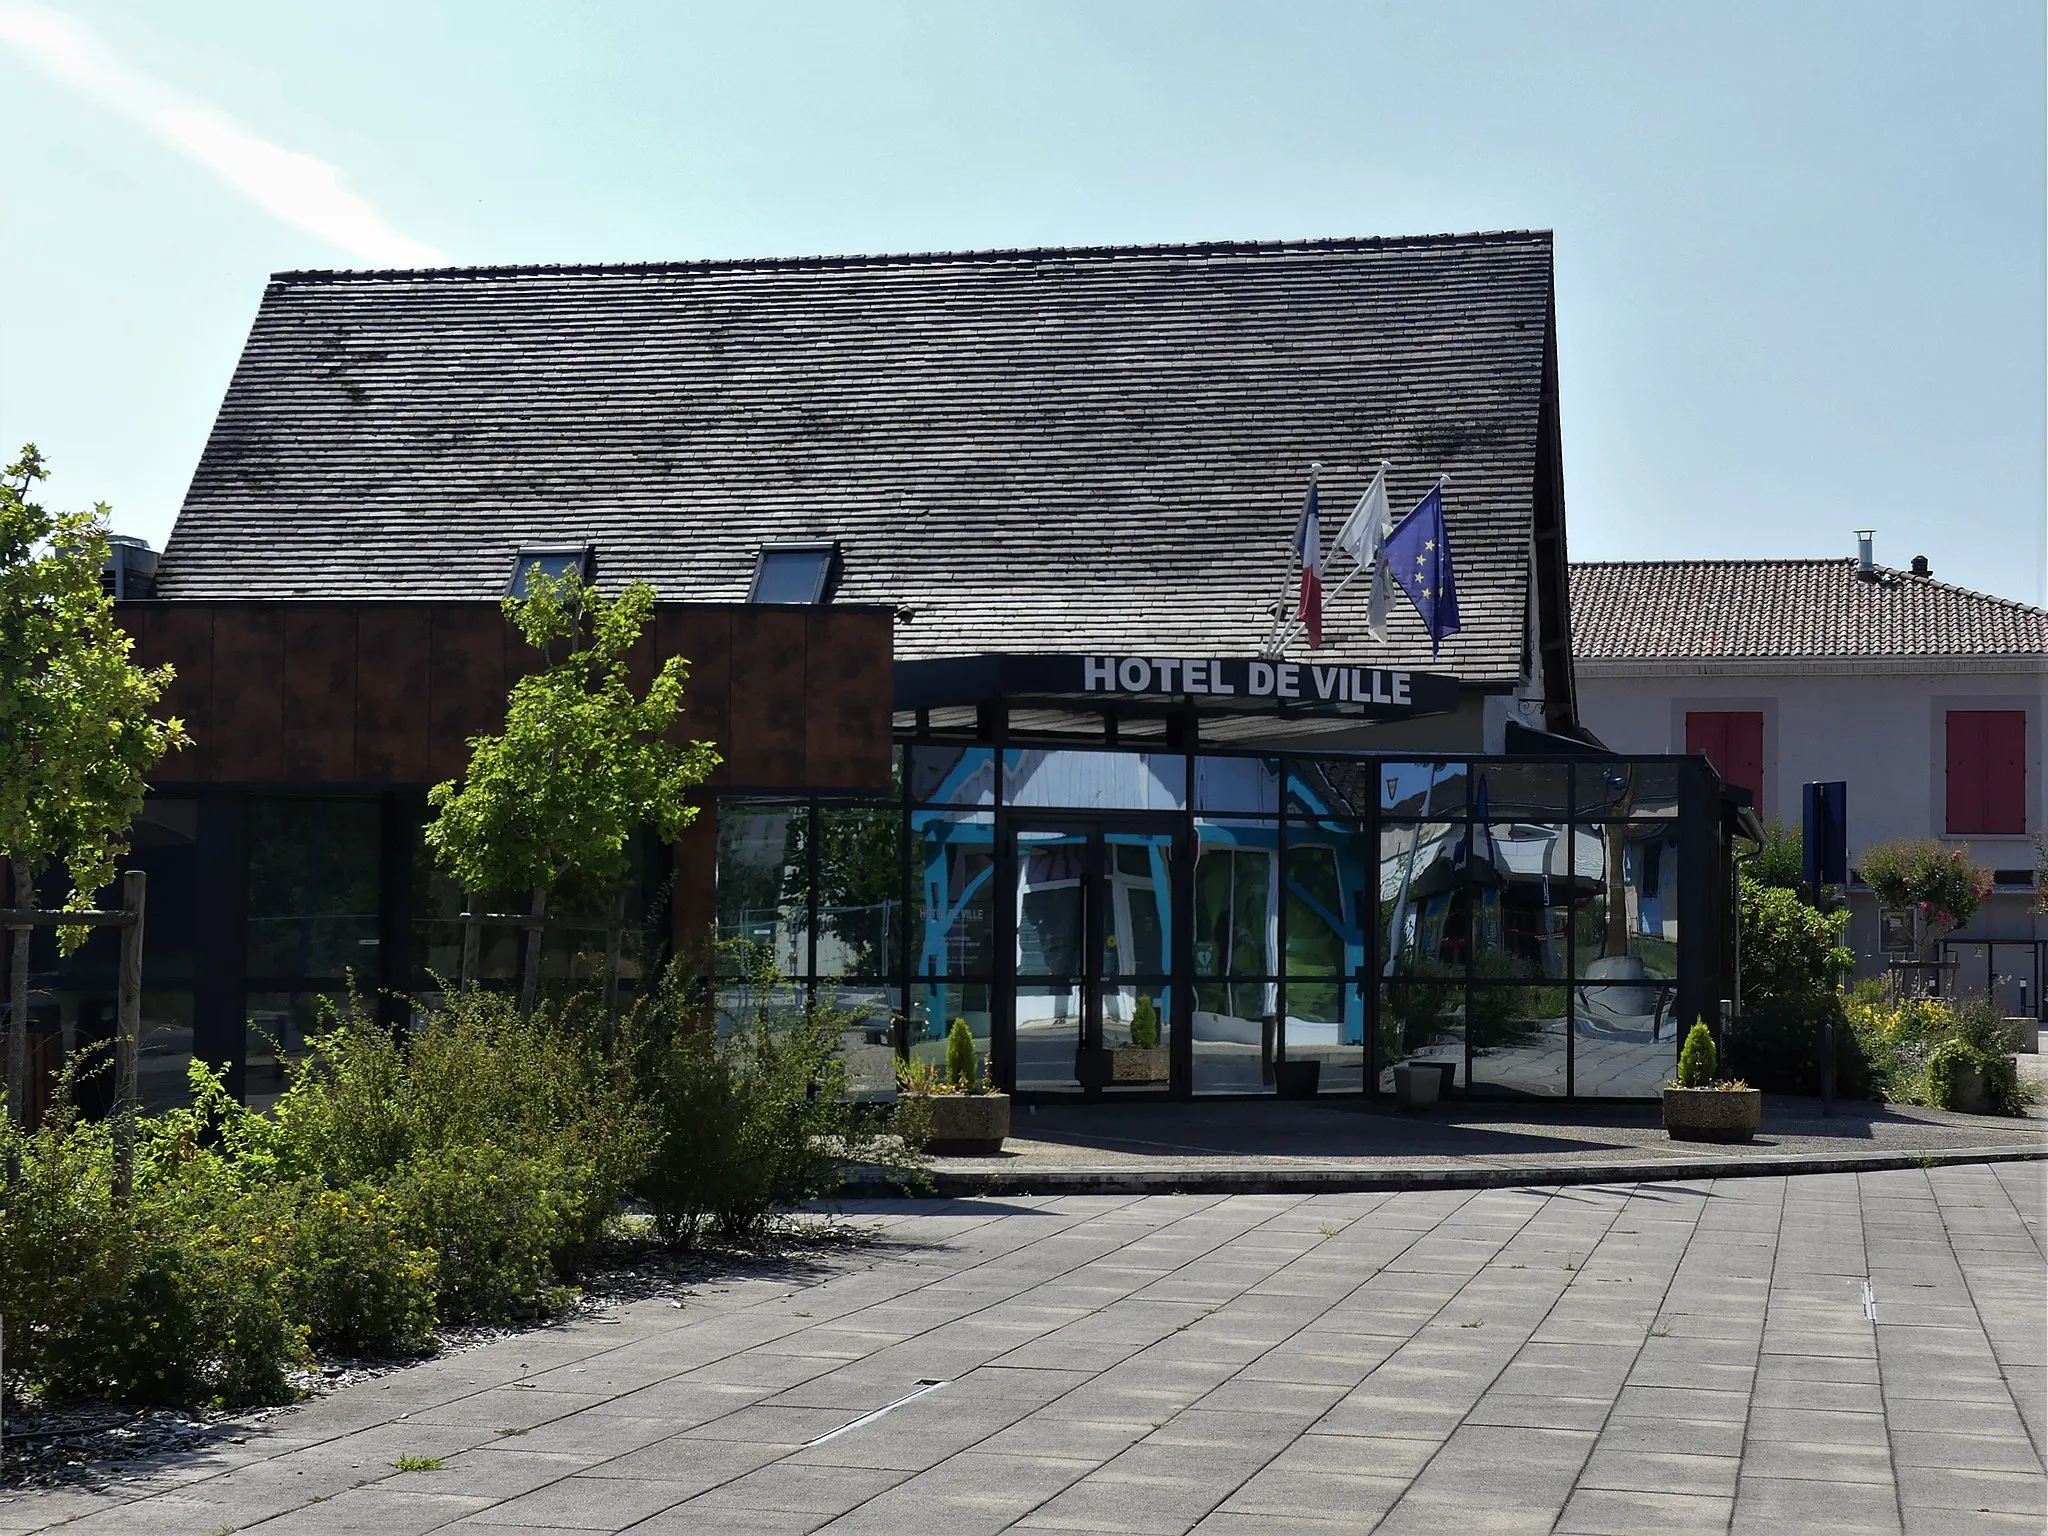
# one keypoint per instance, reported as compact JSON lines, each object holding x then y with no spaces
{"x":1837,"y":1352}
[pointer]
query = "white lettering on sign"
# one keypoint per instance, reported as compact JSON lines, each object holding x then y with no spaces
{"x":1166,"y":669}
{"x":1400,"y":688}
{"x":1259,"y":679}
{"x":1097,"y":672}
{"x":1216,"y":682}
{"x":1194,"y":677}
{"x":1326,"y":680}
{"x":1134,"y":673}
{"x":1288,"y":683}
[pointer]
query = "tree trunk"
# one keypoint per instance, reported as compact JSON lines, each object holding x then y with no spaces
{"x":17,"y":1013}
{"x":529,"y":986}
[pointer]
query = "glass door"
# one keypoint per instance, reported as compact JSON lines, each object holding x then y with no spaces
{"x":1092,"y":1005}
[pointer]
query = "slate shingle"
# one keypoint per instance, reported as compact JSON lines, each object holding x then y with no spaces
{"x":1034,"y":450}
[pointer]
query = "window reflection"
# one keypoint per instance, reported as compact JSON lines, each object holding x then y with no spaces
{"x":1518,"y":1039}
{"x":312,"y":888}
{"x":953,"y":893}
{"x":1625,"y":919}
{"x":1626,"y":1043}
{"x":1421,"y":789}
{"x":763,"y":885}
{"x":1120,"y":781}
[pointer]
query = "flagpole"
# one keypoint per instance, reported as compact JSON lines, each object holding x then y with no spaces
{"x":1282,"y":626}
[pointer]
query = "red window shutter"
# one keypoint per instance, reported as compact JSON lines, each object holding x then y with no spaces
{"x":1987,"y":771}
{"x":1734,"y":743}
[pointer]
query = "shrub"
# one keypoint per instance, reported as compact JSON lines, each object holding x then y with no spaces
{"x":1927,"y":875}
{"x":173,"y":1298}
{"x":1789,"y":949}
{"x":1776,"y":1045}
{"x":358,"y":1278}
{"x":1916,"y":1044}
{"x":1145,"y":1025}
{"x":747,"y":1122}
{"x":1698,"y":1063}
{"x":960,"y":1073}
{"x":1781,"y":863}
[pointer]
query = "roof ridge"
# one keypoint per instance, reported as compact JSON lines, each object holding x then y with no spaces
{"x":1889,"y":570}
{"x":924,"y":258}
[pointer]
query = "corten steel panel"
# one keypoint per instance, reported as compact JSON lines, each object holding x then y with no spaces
{"x":768,"y":700}
{"x":181,"y":634}
{"x":248,"y":691}
{"x":702,"y":636}
{"x":849,"y":682}
{"x":465,"y":683}
{"x":320,"y":693}
{"x":391,"y":692}
{"x":695,"y":906}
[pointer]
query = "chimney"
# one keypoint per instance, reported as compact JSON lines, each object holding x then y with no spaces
{"x":1866,"y":562}
{"x":1921,"y":567}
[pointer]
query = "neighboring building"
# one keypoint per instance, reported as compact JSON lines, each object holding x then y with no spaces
{"x":1926,"y":699}
{"x":976,"y":559}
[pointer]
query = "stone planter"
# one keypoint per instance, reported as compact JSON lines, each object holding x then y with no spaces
{"x":1712,"y":1114}
{"x":1969,"y":1096}
{"x":1416,"y":1084}
{"x":1139,"y":1064}
{"x":968,"y":1124}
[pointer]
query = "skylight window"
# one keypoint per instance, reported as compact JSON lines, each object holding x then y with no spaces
{"x":551,"y":560}
{"x":794,"y":573}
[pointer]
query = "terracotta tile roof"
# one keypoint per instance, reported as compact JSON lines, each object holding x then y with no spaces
{"x":1679,"y":610}
{"x":1035,"y":450}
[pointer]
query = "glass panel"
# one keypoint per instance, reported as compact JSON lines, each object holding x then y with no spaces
{"x":867,"y":1022}
{"x":164,"y":843}
{"x":1626,"y":919}
{"x":763,"y":900}
{"x":1326,"y":1023}
{"x":1537,"y":791}
{"x":1237,"y":921}
{"x":1119,"y":781}
{"x":743,"y":1006}
{"x":1522,"y":907}
{"x":1619,"y":789}
{"x":1052,"y":903}
{"x":934,"y":1005}
{"x":952,"y":893}
{"x":164,"y":1046}
{"x":278,"y":1024}
{"x":1048,"y":1036}
{"x":1341,"y":787}
{"x":164,"y":1051}
{"x":1518,"y":1039}
{"x":860,"y":889}
{"x":1415,"y":789}
{"x":1234,"y":1028}
{"x":1137,"y":1018}
{"x":1421,"y":893}
{"x":1138,"y":870}
{"x":1422,"y":1020}
{"x":1246,"y":784}
{"x":1627,"y":1041}
{"x":312,"y":888}
{"x":953,"y":775}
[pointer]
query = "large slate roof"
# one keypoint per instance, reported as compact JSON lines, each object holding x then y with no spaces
{"x":1095,"y":449}
{"x":1706,"y":610}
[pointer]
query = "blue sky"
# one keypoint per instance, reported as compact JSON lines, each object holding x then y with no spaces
{"x":1800,"y":247}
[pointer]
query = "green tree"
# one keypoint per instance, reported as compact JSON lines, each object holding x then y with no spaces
{"x":1790,"y":952}
{"x":1781,"y":862}
{"x":77,"y":739}
{"x":552,"y":804}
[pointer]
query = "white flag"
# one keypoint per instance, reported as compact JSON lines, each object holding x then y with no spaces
{"x":1368,"y":523}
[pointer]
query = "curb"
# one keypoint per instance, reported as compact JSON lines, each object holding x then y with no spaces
{"x":952,"y":1183}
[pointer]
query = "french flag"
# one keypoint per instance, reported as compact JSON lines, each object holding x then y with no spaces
{"x":1308,"y":546}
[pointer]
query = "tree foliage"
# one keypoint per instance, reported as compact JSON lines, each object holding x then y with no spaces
{"x":551,"y":804}
{"x":1781,"y":862}
{"x":77,"y":739}
{"x":1790,"y":951}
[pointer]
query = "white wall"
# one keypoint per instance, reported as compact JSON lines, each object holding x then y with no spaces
{"x":1877,"y":726}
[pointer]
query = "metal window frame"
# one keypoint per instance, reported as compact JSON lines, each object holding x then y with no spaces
{"x":821,"y":588}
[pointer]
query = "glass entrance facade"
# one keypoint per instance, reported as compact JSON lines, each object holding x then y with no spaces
{"x":1115,"y":923}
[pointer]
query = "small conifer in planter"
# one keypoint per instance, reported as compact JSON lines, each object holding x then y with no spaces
{"x":1144,"y":1060}
{"x":1699,"y":1105}
{"x":966,"y":1115}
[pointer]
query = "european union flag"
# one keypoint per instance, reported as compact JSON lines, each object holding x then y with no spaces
{"x":1418,"y":556}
